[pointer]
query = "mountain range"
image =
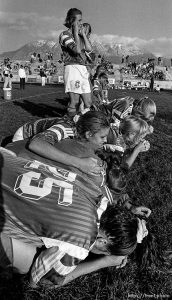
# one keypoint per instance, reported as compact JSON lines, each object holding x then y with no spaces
{"x":112,"y":51}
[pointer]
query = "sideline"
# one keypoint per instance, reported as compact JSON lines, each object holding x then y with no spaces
{"x":8,"y":101}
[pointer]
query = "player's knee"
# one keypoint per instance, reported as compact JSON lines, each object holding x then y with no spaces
{"x":88,"y":102}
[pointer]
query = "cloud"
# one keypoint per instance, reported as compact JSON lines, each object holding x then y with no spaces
{"x":161,"y":46}
{"x":32,"y":23}
{"x":35,"y":26}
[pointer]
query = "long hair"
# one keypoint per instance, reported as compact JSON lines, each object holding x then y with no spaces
{"x":120,"y":227}
{"x":116,"y":171}
{"x":144,"y":106}
{"x":136,"y":125}
{"x":92,"y":121}
{"x":70,"y":17}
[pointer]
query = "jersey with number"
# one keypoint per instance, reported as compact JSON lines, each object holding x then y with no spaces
{"x":42,"y":201}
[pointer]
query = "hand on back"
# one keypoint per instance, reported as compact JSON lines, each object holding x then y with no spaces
{"x":91,"y":166}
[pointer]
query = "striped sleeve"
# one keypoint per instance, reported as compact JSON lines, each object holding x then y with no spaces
{"x":127,"y":111}
{"x":56,"y":133}
{"x":96,"y":88}
{"x":66,"y":40}
{"x":52,"y":259}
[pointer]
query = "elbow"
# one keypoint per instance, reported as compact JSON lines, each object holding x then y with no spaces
{"x":78,"y":51}
{"x":33,"y":145}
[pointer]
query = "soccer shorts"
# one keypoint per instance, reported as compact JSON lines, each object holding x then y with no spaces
{"x":18,"y":136}
{"x":6,"y":251}
{"x":76,"y":78}
{"x":16,"y":254}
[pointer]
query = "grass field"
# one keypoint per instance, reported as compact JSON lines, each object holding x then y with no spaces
{"x":149,"y":183}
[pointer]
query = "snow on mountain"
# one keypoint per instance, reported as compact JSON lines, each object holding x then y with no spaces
{"x":41,"y":43}
{"x":111,"y":46}
{"x":106,"y":46}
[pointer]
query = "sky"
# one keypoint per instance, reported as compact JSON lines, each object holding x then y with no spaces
{"x":146,"y":23}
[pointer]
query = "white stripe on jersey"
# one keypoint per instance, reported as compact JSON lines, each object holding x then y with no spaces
{"x":127,"y":111}
{"x":44,"y":263}
{"x":109,"y":195}
{"x":96,"y":87}
{"x":103,"y":205}
{"x":66,"y":131}
{"x":58,"y":134}
{"x":73,"y":250}
{"x":70,"y":41}
{"x":49,"y":261}
{"x":64,"y":270}
{"x":63,"y":36}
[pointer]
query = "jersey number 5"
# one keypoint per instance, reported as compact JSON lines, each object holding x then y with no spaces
{"x":32,"y":185}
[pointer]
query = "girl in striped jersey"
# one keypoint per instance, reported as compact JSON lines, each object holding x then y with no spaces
{"x":92,"y":131}
{"x":100,"y":85}
{"x":74,"y":42}
{"x":47,"y":132}
{"x":119,"y":109}
{"x":132,"y":130}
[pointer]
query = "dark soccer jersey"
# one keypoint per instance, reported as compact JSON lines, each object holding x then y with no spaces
{"x":45,"y":204}
{"x":68,"y":46}
{"x":49,"y":201}
{"x":80,"y":149}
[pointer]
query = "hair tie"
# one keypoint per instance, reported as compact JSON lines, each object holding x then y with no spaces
{"x":141,"y":230}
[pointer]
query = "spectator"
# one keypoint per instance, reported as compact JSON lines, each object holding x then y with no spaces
{"x":157,"y":88}
{"x":51,"y":56}
{"x":127,"y":58}
{"x":151,"y":82}
{"x":7,"y":76}
{"x":22,"y":75}
{"x":32,"y":58}
{"x":43,"y":76}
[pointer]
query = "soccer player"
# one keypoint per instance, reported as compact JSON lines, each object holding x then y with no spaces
{"x":100,"y":88}
{"x":119,"y":109}
{"x":74,"y":42}
{"x":49,"y":223}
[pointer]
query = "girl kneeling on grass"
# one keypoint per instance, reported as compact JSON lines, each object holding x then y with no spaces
{"x":92,"y":130}
{"x":130,"y":136}
{"x":91,"y":141}
{"x":118,"y":109}
{"x":118,"y":234}
{"x":92,"y":136}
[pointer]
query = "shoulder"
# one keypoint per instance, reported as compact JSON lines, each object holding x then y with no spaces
{"x":65,"y":34}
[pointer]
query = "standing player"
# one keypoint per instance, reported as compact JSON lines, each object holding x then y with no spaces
{"x":76,"y":75}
